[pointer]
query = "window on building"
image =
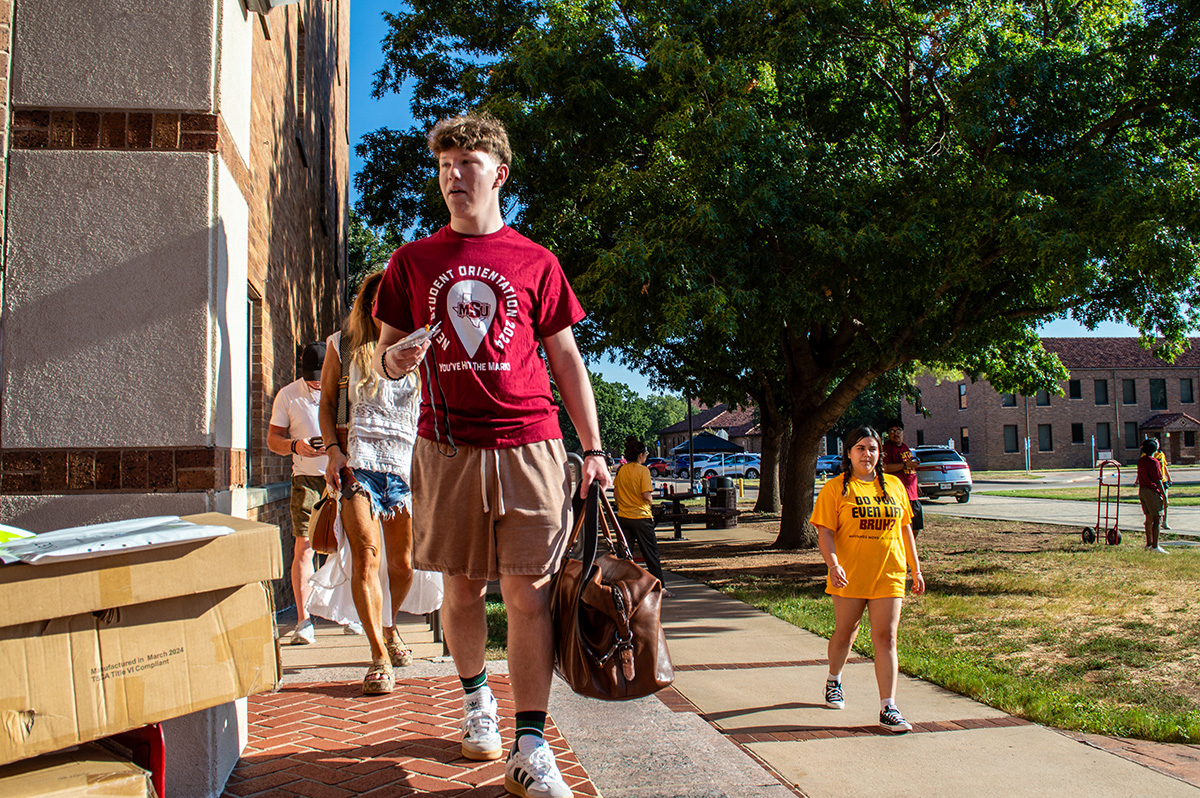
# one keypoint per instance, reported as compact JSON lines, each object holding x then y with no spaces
{"x":1158,"y":394}
{"x":1189,"y":439}
{"x":1101,"y":392}
{"x":323,"y":185}
{"x":1077,"y":433}
{"x":964,"y":436}
{"x":1045,"y":438}
{"x":920,"y":437}
{"x":301,"y":70}
{"x":1043,"y":398}
{"x":1131,"y":435}
{"x":1008,"y":400}
{"x":1185,"y":391}
{"x":962,"y":397}
{"x":1129,"y":392}
{"x":1103,"y":436}
{"x":1074,"y":389}
{"x":1010,"y":438}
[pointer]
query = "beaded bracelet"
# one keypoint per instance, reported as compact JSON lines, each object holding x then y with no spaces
{"x":383,"y":367}
{"x":594,"y":453}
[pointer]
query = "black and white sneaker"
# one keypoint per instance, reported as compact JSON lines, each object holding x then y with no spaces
{"x":531,"y":771}
{"x":833,"y":695}
{"x":891,"y":720}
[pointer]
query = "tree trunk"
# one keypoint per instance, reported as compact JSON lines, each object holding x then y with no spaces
{"x":774,"y":426}
{"x":795,"y":531}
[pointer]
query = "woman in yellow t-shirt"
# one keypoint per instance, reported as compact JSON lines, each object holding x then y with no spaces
{"x":864,"y":528}
{"x":633,"y":491}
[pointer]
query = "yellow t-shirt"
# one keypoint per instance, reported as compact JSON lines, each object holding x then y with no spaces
{"x":867,"y":535}
{"x":632,"y":480}
{"x":1162,"y":461}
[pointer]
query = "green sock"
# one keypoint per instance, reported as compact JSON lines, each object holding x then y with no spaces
{"x":472,"y":685}
{"x":533,"y":723}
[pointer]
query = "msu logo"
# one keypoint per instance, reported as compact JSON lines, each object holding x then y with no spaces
{"x":472,"y":310}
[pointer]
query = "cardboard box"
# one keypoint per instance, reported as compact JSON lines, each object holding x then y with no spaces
{"x":54,"y":590}
{"x":87,"y":665}
{"x":87,"y":772}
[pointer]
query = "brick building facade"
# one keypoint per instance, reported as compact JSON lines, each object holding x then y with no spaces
{"x":176,"y":223}
{"x":739,"y":425}
{"x":1117,"y":395}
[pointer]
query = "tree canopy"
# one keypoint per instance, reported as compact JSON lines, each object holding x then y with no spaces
{"x":622,"y":413}
{"x":795,"y":197}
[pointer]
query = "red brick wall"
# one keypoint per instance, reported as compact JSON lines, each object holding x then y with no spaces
{"x":279,"y":513}
{"x":296,"y":226}
{"x":985,"y":418}
{"x":24,"y":471}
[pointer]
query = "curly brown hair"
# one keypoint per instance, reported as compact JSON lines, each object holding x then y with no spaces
{"x":471,"y":132}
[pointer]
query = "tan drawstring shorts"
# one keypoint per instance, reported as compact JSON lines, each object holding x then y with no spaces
{"x":485,"y":512}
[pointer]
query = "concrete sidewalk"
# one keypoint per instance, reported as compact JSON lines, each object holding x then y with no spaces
{"x":744,"y":719}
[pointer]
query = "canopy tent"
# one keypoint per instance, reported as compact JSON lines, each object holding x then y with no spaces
{"x":707,"y":442}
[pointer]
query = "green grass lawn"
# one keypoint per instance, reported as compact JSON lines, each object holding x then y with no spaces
{"x":1029,"y":620}
{"x":1180,"y":495}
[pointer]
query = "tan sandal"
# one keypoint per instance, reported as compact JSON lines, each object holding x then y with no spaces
{"x":401,"y":657}
{"x":379,"y":679}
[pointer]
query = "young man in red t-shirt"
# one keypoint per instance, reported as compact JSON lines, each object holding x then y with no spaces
{"x":489,"y":467}
{"x":898,"y":460}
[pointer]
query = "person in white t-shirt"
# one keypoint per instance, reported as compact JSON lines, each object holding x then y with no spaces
{"x":295,"y":430}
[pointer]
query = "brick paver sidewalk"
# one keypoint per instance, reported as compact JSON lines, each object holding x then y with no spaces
{"x":327,"y":740}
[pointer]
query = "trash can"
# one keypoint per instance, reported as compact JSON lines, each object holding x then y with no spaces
{"x":722,"y":503}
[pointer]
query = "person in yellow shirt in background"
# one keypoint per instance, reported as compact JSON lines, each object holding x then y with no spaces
{"x":1166,"y":485}
{"x":864,"y":529}
{"x":634,"y":490}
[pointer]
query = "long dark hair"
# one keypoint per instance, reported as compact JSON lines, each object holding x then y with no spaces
{"x":853,"y":437}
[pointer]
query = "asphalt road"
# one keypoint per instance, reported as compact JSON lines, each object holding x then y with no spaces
{"x":1184,"y":521}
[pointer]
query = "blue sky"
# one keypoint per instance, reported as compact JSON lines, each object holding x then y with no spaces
{"x":367,"y":114}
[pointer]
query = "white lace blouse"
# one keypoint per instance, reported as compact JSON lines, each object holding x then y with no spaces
{"x":383,"y":420}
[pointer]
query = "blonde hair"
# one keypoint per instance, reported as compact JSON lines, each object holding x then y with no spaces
{"x":359,"y":329}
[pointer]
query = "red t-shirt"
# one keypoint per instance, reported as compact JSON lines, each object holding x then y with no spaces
{"x":1149,"y":473}
{"x":496,"y":295}
{"x":894,"y":453}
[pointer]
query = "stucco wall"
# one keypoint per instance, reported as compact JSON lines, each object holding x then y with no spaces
{"x":46,"y":513}
{"x":131,"y":54}
{"x":235,"y":75}
{"x":106,"y":321}
{"x":231,"y":323}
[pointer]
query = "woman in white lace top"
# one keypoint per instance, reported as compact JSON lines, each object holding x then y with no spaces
{"x":370,"y":465}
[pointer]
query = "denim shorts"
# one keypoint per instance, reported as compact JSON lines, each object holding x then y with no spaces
{"x":388,"y":492}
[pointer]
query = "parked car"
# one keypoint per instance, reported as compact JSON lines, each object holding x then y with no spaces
{"x":659,"y":467}
{"x":734,"y":465}
{"x":941,"y":471}
{"x":702,"y":460}
{"x":830,"y":464}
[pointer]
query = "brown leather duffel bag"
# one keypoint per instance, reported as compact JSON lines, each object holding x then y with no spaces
{"x":608,"y":637}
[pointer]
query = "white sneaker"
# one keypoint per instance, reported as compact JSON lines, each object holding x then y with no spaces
{"x":1161,"y":550}
{"x":352,"y":628}
{"x":531,"y":771}
{"x":481,"y":726}
{"x":305,"y":633}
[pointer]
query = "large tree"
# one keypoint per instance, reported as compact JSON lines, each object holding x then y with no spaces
{"x":803,"y":196}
